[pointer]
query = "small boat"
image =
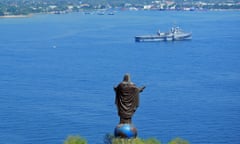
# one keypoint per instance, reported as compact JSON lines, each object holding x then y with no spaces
{"x":111,"y":13}
{"x":173,"y":35}
{"x":101,"y":13}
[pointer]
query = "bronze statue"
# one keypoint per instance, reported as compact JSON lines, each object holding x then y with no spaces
{"x":127,"y":99}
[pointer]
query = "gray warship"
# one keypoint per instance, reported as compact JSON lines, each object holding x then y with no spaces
{"x":175,"y":34}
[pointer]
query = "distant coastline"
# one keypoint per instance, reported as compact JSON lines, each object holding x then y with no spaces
{"x":9,"y":16}
{"x":16,"y":16}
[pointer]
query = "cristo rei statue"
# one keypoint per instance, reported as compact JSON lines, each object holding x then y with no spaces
{"x":127,"y":102}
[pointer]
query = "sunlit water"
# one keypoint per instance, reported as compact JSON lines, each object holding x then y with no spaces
{"x":57,"y":74}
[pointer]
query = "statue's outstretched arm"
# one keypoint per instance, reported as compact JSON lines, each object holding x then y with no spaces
{"x":142,"y":88}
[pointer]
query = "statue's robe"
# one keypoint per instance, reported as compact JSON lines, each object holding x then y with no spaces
{"x":127,"y":99}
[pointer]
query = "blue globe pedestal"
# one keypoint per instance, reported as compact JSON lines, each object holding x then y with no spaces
{"x":125,"y":131}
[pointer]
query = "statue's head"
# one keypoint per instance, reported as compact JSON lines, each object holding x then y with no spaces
{"x":127,"y":78}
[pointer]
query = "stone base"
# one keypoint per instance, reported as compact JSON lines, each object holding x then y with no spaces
{"x":125,"y":131}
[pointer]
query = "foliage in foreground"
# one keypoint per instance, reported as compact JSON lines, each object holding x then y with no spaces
{"x":75,"y":140}
{"x":178,"y":141}
{"x":109,"y":139}
{"x":135,"y":141}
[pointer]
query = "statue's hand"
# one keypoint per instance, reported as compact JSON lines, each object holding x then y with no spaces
{"x":142,"y":88}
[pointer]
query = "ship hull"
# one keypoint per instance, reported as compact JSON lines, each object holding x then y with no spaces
{"x":156,"y":38}
{"x":176,"y":34}
{"x":149,"y":38}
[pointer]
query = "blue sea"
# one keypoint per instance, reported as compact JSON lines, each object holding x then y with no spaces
{"x":57,"y":74}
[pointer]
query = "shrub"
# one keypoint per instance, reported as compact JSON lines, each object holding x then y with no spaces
{"x":135,"y":141}
{"x":152,"y":141}
{"x":178,"y":141}
{"x":110,"y":139}
{"x":75,"y":140}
